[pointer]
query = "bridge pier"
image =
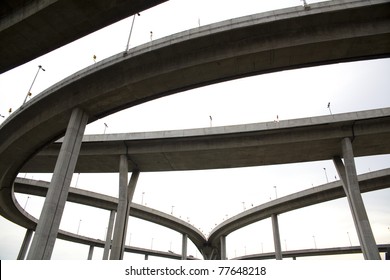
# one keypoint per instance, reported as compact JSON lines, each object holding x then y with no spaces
{"x":49,"y":222}
{"x":275,"y":228}
{"x":347,"y":173}
{"x":107,"y":245}
{"x":184,"y":246}
{"x":223,"y":247}
{"x":25,"y":244}
{"x":126,"y":192}
{"x":90,"y":252}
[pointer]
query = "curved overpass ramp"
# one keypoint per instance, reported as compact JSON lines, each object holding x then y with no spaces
{"x":29,"y":29}
{"x":39,"y":188}
{"x":329,"y":32}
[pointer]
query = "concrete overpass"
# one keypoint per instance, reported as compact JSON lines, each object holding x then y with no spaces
{"x":368,"y":182}
{"x":329,"y":32}
{"x":29,"y":29}
{"x":289,"y":141}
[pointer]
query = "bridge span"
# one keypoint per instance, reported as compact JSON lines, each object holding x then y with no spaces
{"x":329,"y":32}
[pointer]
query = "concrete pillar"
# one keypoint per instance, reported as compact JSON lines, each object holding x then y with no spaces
{"x":25,"y":244}
{"x":126,"y":192}
{"x":275,"y":228}
{"x":223,"y":247}
{"x":146,"y":257}
{"x":107,"y":245}
{"x":49,"y":222}
{"x":90,"y":252}
{"x":349,"y":178}
{"x":184,"y":247}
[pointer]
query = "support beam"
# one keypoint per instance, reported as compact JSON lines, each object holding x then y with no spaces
{"x":49,"y":222}
{"x":184,"y":247}
{"x":126,"y":192}
{"x":275,"y":229}
{"x":223,"y":247}
{"x":90,"y":252}
{"x":107,"y":245}
{"x":146,"y":257}
{"x":25,"y":244}
{"x":350,"y":182}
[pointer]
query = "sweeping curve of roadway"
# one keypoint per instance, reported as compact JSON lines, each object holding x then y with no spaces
{"x":285,"y":39}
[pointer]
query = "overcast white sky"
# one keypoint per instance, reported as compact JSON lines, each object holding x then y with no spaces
{"x":206,"y":198}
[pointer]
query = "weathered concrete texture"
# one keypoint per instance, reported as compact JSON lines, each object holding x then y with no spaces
{"x":223,"y":248}
{"x":29,"y":29}
{"x":51,"y":215}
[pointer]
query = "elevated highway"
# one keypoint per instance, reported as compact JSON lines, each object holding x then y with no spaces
{"x":329,"y":32}
{"x":29,"y":29}
{"x":289,"y":141}
{"x":368,"y":182}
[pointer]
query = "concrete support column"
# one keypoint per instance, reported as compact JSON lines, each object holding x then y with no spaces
{"x":146,"y":257}
{"x":90,"y":252}
{"x":126,"y":192}
{"x":223,"y":247}
{"x":107,"y":245}
{"x":25,"y":244}
{"x":184,"y":247}
{"x":350,"y":182}
{"x":49,"y":222}
{"x":275,"y":228}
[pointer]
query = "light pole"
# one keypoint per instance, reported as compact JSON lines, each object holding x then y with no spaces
{"x":142,"y":200}
{"x":172,"y":209}
{"x":243,"y":205}
{"x":326,"y":175}
{"x":131,"y":30}
{"x":29,"y":91}
{"x":276,"y":193}
{"x":105,"y":127}
{"x":349,"y":238}
{"x":315,"y":244}
{"x":78,"y":228}
{"x":330,"y":111}
{"x":24,"y":208}
{"x":77,"y":180}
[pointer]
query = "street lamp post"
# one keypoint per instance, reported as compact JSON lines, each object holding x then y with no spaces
{"x":276,"y":193}
{"x":172,"y":209}
{"x":315,"y":244}
{"x":29,"y":91}
{"x":142,"y":200}
{"x":349,"y":238}
{"x":78,"y":228}
{"x":24,"y":208}
{"x":131,"y":30}
{"x":326,"y":175}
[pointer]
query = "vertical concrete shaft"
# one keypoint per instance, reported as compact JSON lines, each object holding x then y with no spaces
{"x":126,"y":192}
{"x":25,"y":244}
{"x":130,"y":193}
{"x":223,"y":247}
{"x":146,"y":257}
{"x":343,"y":177}
{"x":275,"y":229}
{"x":349,"y":177}
{"x":184,"y":247}
{"x":121,"y":211}
{"x":90,"y":252}
{"x":49,"y":222}
{"x":107,"y":245}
